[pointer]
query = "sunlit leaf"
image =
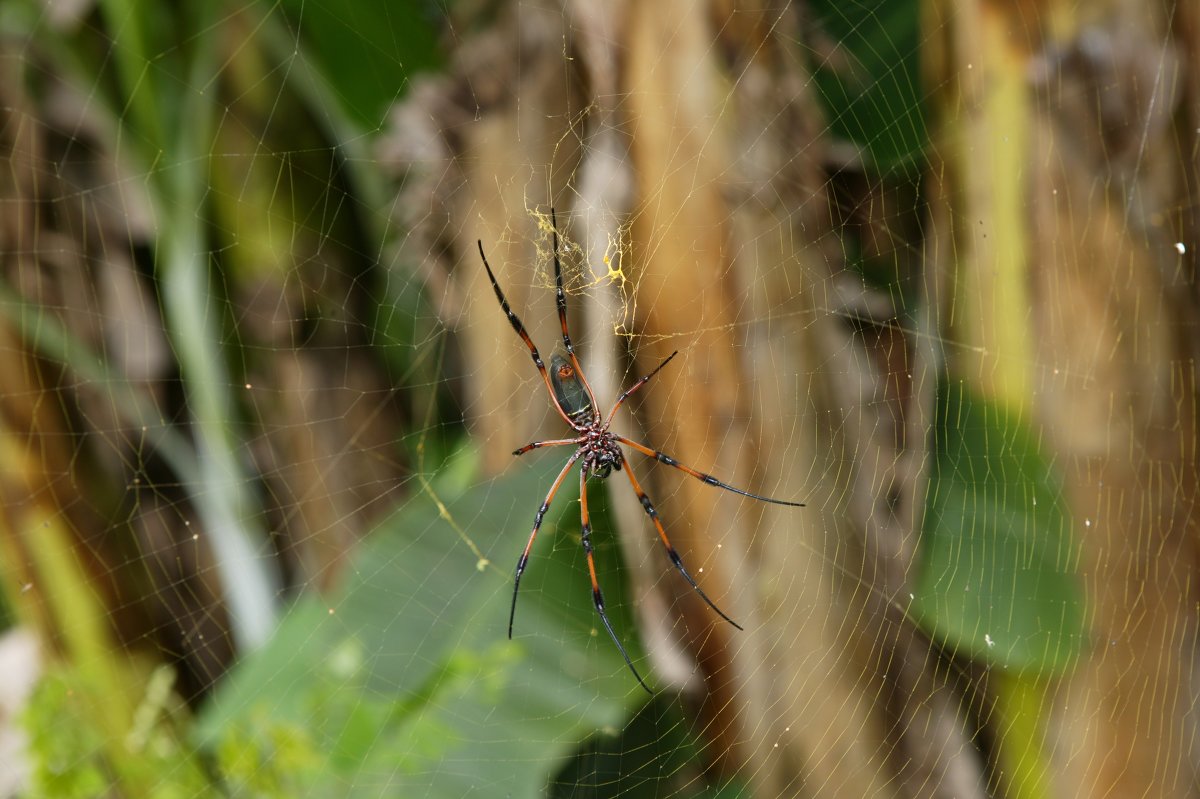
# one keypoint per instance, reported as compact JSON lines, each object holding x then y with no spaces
{"x":406,"y":680}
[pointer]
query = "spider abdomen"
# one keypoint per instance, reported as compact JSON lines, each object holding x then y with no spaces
{"x":572,"y":395}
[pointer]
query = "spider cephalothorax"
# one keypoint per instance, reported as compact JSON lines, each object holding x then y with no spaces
{"x":596,"y":447}
{"x":601,"y":454}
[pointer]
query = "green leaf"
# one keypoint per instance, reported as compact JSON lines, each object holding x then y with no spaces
{"x":405,"y":682}
{"x":367,"y":51}
{"x":657,"y":752}
{"x":870,"y":82}
{"x":997,"y":578}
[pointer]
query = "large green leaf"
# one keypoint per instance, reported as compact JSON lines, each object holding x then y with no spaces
{"x":367,"y":51}
{"x":404,"y":684}
{"x":870,"y":81}
{"x":656,"y":755}
{"x":998,"y":571}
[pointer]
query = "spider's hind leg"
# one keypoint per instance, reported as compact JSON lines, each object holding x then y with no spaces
{"x":597,"y":595}
{"x":677,"y":561}
{"x":537,"y":525}
{"x":560,"y":442}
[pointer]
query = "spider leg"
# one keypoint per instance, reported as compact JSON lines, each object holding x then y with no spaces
{"x":515,"y":321}
{"x":558,"y":442}
{"x":562,"y":316}
{"x":597,"y":597}
{"x":537,"y":525}
{"x":662,"y":457}
{"x":671,"y":553}
{"x":641,"y":382}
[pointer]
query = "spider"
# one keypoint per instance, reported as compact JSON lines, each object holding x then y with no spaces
{"x":597,"y":450}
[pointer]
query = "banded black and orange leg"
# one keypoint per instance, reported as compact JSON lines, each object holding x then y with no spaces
{"x":666,"y":542}
{"x":558,"y":442}
{"x":597,"y":596}
{"x":561,"y":299}
{"x":515,"y":321}
{"x":537,"y":524}
{"x":641,"y":382}
{"x":708,"y":479}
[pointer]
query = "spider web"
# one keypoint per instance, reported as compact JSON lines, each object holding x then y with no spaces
{"x":929,"y":269}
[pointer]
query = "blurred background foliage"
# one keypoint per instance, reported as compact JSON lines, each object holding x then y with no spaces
{"x":254,"y":542}
{"x":242,"y":383}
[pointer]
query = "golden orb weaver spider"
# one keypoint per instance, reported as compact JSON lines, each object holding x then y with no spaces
{"x":597,"y":447}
